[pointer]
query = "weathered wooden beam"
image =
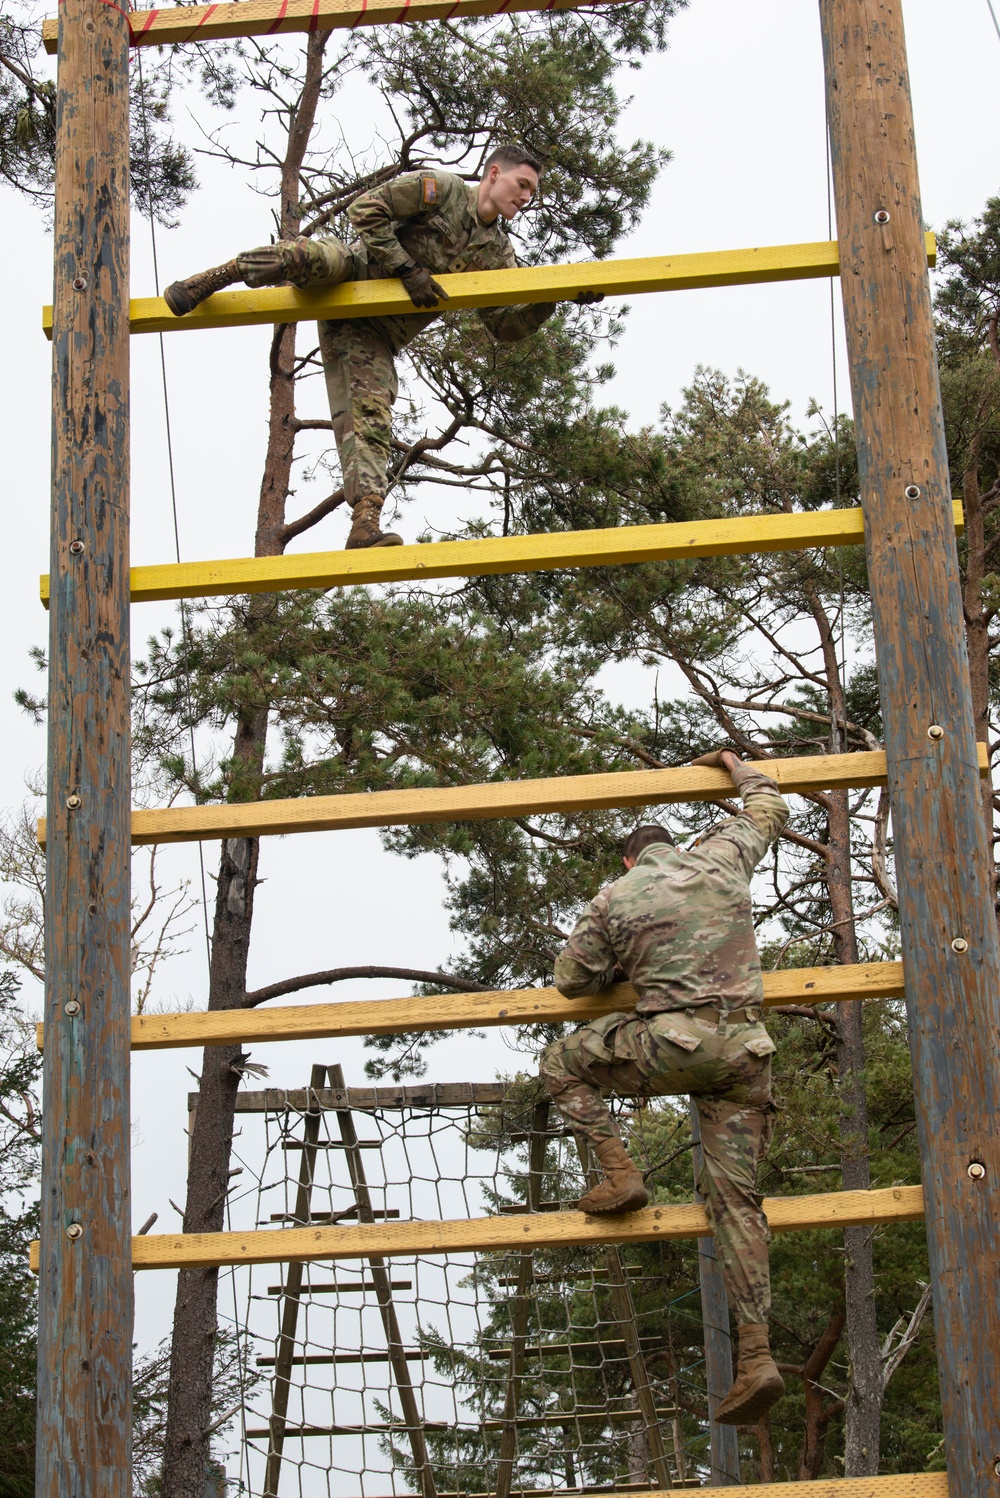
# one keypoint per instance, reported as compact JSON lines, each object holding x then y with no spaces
{"x":425,"y":806}
{"x":499,"y":554}
{"x":612,"y":1347}
{"x":326,"y":1359}
{"x":497,"y":288}
{"x":338,"y":1287}
{"x":281,"y":1386}
{"x":469,"y":1011}
{"x":527,"y":1422}
{"x":370,"y":1099}
{"x":567,"y":1229}
{"x":423,"y":1473}
{"x":85,"y":1287}
{"x":943,"y":851}
{"x":205,"y":23}
{"x":520,"y":1311}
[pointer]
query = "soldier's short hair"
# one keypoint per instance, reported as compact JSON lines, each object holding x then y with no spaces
{"x":505,"y":156}
{"x":644,"y":837}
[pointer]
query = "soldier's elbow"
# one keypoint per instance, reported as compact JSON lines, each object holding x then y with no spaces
{"x":573,"y":982}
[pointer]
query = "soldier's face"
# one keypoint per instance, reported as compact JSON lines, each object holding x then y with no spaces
{"x":512,"y":188}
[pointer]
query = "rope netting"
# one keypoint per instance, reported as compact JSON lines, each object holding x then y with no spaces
{"x":493,"y":1373}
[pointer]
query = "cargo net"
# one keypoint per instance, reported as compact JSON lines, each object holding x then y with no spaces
{"x":488,"y":1373}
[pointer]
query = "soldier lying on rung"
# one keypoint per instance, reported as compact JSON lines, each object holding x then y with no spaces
{"x":423,"y":224}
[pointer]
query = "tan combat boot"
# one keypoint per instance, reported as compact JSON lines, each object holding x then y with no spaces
{"x":364,"y":525}
{"x":622,"y":1189}
{"x":758,"y":1383}
{"x":183,"y":296}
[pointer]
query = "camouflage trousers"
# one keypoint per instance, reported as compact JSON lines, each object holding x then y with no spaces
{"x":361,"y":384}
{"x":726,"y":1070}
{"x":359,"y":367}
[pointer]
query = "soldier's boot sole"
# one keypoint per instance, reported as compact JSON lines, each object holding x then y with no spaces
{"x":750,"y":1398}
{"x":365,"y":530}
{"x":758,"y":1383}
{"x":380,"y":538}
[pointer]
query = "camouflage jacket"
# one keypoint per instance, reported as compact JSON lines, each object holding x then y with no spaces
{"x":680,"y":924}
{"x":431,"y":218}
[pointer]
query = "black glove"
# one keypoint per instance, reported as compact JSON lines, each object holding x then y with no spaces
{"x":424,"y":290}
{"x":588,"y":298}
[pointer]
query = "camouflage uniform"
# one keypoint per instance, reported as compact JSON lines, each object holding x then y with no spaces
{"x":427,"y":217}
{"x":680,"y":925}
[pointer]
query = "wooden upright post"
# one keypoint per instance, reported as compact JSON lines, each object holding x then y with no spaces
{"x":292,"y":1290}
{"x":423,"y":1473}
{"x":85,"y":1281}
{"x":948,"y":927}
{"x":521,"y":1309}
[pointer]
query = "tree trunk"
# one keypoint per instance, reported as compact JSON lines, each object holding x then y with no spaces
{"x":818,"y":1413}
{"x":765,"y":1448}
{"x":189,"y":1397}
{"x":862,"y":1434}
{"x":864,"y":1395}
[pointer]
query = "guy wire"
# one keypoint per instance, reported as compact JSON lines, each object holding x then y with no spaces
{"x":993,"y":13}
{"x":244,"y":1457}
{"x":185,"y":632}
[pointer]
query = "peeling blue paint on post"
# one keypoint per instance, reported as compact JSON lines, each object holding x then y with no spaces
{"x":85,"y":1281}
{"x":942,"y":854}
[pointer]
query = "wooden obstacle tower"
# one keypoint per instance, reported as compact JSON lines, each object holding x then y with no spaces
{"x":950,"y":971}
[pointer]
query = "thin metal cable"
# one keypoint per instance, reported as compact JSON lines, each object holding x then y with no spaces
{"x":173,"y":492}
{"x":996,"y":23}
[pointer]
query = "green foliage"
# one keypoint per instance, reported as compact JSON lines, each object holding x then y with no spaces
{"x":234,"y":1379}
{"x":968,"y":300}
{"x":20,"y":1140}
{"x":547,"y":83}
{"x":162,"y":169}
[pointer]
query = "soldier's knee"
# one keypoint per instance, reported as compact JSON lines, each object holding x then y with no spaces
{"x":310,"y":262}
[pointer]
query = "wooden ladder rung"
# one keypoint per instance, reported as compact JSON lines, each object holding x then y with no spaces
{"x":833,"y":1209}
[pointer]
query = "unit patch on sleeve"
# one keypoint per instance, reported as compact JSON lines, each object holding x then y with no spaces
{"x":430,"y":191}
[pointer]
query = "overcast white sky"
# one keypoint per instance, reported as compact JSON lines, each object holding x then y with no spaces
{"x":739,"y":101}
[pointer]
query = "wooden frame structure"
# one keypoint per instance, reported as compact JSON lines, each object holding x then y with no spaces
{"x":951,"y":964}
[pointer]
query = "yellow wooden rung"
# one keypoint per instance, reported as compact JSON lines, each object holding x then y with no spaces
{"x":500,"y":798}
{"x":204,"y":23}
{"x":676,"y":541}
{"x":482,"y":1234}
{"x":473,"y":1011}
{"x":894,"y":1485}
{"x":496,"y":288}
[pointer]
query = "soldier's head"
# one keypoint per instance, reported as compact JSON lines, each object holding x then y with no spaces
{"x":509,"y":182}
{"x":640,"y":839}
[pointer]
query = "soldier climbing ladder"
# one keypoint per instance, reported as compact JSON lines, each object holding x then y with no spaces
{"x":950,"y":967}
